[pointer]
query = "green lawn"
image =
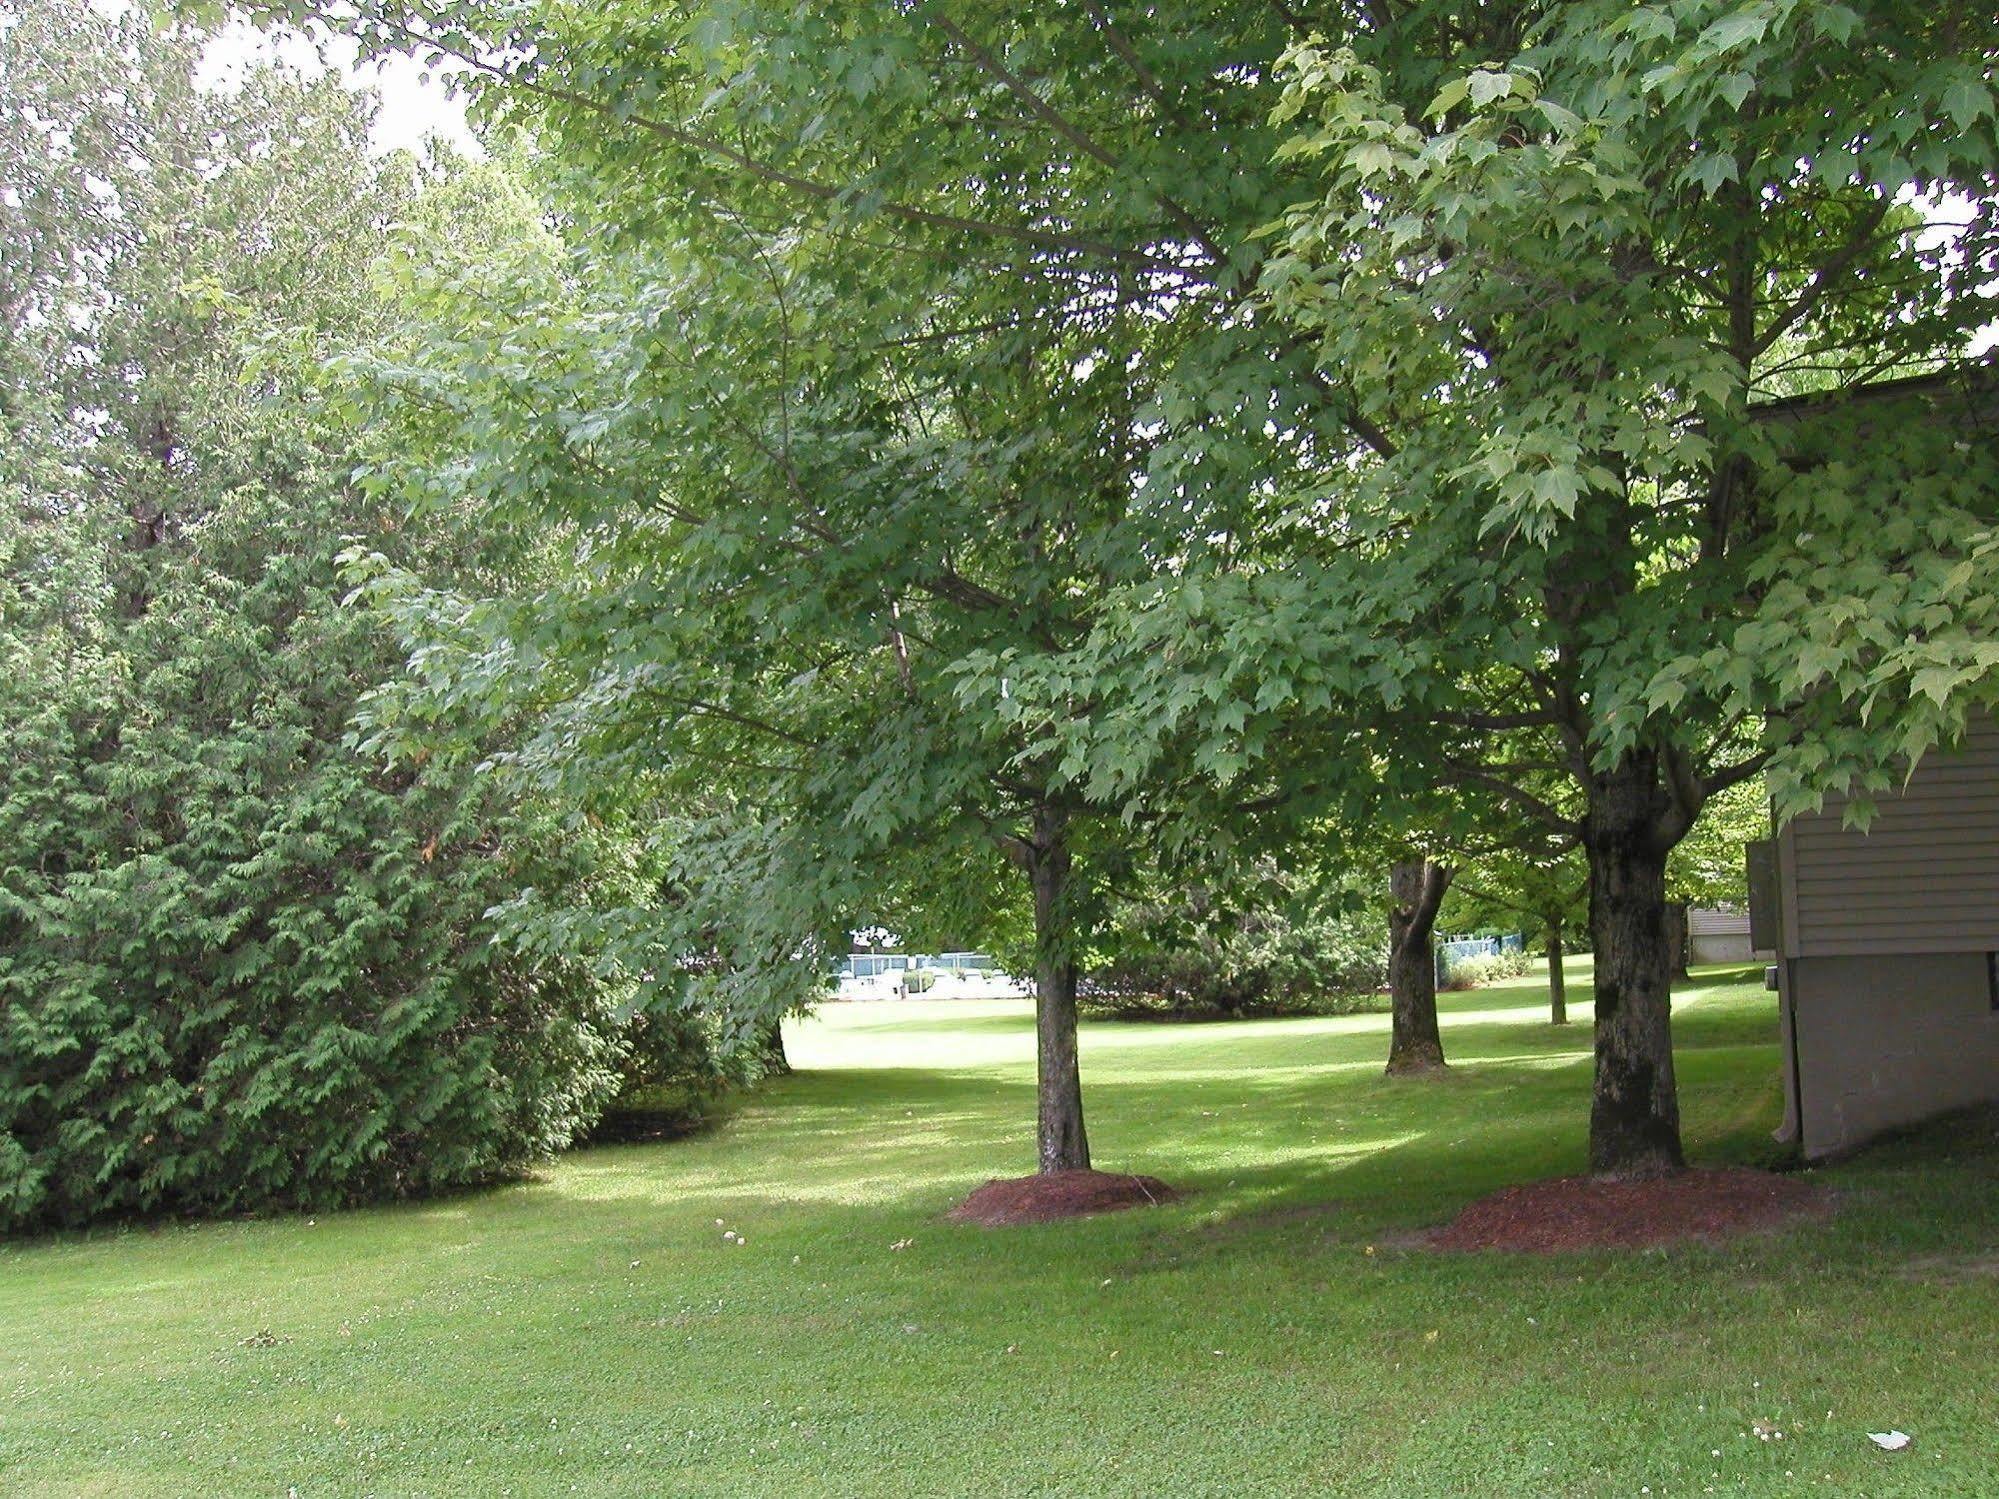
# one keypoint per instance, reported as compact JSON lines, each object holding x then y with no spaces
{"x":593,"y":1332}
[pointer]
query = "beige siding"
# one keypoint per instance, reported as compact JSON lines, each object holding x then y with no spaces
{"x":1924,"y":878}
{"x":1716,"y":936}
{"x":1886,"y":1041}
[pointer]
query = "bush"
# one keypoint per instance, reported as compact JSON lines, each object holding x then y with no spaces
{"x":675,"y":1072}
{"x":1282,"y":955}
{"x":1107,"y":1004}
{"x":1484,"y":968}
{"x":240,"y":968}
{"x":243,"y":964}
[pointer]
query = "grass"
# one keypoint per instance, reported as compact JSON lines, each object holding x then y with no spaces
{"x":593,"y":1332}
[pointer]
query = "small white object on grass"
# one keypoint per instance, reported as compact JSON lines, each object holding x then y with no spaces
{"x":1889,"y":1441}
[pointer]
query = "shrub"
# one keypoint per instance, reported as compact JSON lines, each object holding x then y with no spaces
{"x":1281,"y":954}
{"x":1484,"y":968}
{"x":239,"y":967}
{"x":1470,"y":972}
{"x":675,"y":1071}
{"x":242,"y":964}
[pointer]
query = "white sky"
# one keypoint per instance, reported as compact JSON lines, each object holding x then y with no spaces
{"x":411,"y":106}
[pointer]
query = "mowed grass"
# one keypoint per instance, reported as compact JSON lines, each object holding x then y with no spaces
{"x":593,"y":1332}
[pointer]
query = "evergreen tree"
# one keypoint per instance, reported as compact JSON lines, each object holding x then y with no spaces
{"x":241,"y":965}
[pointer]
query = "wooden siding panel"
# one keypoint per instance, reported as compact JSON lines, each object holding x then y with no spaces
{"x":1924,"y":878}
{"x":1787,"y":885}
{"x":1887,"y":831}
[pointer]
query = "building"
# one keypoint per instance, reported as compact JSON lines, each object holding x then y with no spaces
{"x":899,"y":975}
{"x":1886,"y":970}
{"x":1720,"y":934}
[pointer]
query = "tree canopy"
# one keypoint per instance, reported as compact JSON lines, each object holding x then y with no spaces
{"x":1502,"y":387}
{"x":802,"y":516}
{"x":1565,"y":277}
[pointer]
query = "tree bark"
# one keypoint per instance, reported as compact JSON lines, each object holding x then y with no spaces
{"x":1635,"y":1113}
{"x":1063,"y":1144}
{"x":1678,"y":937}
{"x":1416,"y":889}
{"x":1558,"y":982}
{"x":148,"y":515}
{"x":772,"y":1050}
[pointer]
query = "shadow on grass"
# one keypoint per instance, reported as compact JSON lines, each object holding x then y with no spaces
{"x":1253,"y":1115}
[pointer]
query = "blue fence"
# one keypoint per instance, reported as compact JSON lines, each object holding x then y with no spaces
{"x":1457,"y":949}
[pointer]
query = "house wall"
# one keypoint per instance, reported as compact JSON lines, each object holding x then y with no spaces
{"x":1717,"y":936}
{"x":1885,"y":1041}
{"x":1924,"y":877}
{"x":1885,"y":973}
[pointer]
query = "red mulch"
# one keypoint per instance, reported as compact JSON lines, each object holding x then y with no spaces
{"x":1581,"y":1212}
{"x":1058,"y":1194}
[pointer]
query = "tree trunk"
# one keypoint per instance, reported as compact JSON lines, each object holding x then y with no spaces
{"x":1416,"y":889}
{"x":1059,"y":1084}
{"x":1678,"y":938}
{"x":1635,"y":1114}
{"x":771,"y":1050}
{"x":148,"y":516}
{"x":1558,"y":982}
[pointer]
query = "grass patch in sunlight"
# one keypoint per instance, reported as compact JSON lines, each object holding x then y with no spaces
{"x":594,"y":1326}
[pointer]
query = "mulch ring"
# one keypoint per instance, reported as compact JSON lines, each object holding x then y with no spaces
{"x":1049,"y":1195}
{"x":1580,"y":1212}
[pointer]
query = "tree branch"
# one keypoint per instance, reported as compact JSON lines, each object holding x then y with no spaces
{"x":824,"y":192}
{"x":1498,"y":722}
{"x":707,"y":709}
{"x":1074,"y":134}
{"x":1147,"y":79}
{"x":1529,"y":803}
{"x":1829,"y":271}
{"x":1687,"y":794}
{"x":1351,"y":415}
{"x":1734,"y":775}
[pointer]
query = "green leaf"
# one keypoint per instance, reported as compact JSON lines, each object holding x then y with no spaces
{"x":1486,"y":85}
{"x":1966,"y":101}
{"x":1449,"y":97}
{"x":1745,"y":26}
